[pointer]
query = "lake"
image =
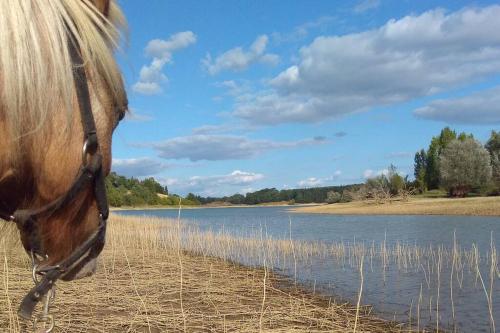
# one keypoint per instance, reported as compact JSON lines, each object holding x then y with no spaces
{"x":418,"y":277}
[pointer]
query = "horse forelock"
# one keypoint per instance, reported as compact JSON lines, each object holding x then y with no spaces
{"x":35,"y":66}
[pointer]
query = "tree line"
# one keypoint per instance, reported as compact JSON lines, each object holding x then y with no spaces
{"x":132,"y":192}
{"x":267,"y":195}
{"x":459,"y":164}
{"x":123,"y":191}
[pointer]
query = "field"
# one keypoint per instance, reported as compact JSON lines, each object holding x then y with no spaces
{"x":487,"y":206}
{"x":148,"y":282}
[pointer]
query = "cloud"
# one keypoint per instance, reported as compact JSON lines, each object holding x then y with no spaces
{"x":213,"y":185}
{"x":138,"y":167}
{"x":301,"y":31}
{"x":234,"y":88}
{"x":366,"y":5}
{"x":369,"y":173}
{"x":223,"y":128}
{"x":133,"y":115}
{"x":314,"y":182}
{"x":404,"y":59}
{"x":479,"y":108}
{"x":310,"y":182}
{"x":340,"y":134}
{"x":198,"y":147}
{"x":336,"y":175}
{"x":238,"y":59}
{"x":151,"y":77}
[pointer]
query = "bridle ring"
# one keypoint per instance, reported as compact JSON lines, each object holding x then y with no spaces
{"x":85,"y":152}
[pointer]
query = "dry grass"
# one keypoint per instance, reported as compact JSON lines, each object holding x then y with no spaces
{"x":487,"y":206}
{"x":145,"y":283}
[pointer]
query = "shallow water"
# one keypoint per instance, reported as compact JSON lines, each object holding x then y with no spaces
{"x":395,"y":290}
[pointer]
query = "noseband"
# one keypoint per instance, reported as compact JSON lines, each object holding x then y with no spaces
{"x":90,"y":174}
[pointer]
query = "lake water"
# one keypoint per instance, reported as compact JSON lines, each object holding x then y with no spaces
{"x":432,"y":286}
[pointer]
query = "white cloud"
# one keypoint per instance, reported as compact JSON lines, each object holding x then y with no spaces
{"x":162,"y":49}
{"x":336,"y":175}
{"x":366,"y":5}
{"x":310,"y":182}
{"x":301,"y":31}
{"x":404,"y":59}
{"x":479,"y":108}
{"x":222,"y":147}
{"x":314,"y":182}
{"x":151,"y":77}
{"x":213,"y":185}
{"x":133,"y":115}
{"x":369,"y":173}
{"x":233,"y":88}
{"x":138,"y":167}
{"x":238,"y":59}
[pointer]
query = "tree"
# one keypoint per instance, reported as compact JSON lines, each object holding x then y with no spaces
{"x":432,"y":166}
{"x":419,"y":173}
{"x":464,"y":165}
{"x":438,"y":144}
{"x":191,"y":199}
{"x":493,"y":147}
{"x":333,"y":197}
{"x":395,"y":181}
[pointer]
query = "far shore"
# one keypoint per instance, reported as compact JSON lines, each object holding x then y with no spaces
{"x":479,"y":206}
{"x":269,"y":204}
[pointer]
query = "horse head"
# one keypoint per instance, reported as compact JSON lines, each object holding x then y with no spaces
{"x":60,"y":101}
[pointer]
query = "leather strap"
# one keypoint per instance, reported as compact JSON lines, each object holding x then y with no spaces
{"x":90,"y":173}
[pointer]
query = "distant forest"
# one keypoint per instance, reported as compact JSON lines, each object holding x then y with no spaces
{"x":124,"y":191}
{"x":302,"y":195}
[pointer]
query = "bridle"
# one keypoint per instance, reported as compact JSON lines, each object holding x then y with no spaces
{"x":89,"y":174}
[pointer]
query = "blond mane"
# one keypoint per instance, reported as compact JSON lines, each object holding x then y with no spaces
{"x":35,"y":66}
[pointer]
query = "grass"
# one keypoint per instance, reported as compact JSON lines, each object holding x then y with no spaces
{"x":485,"y":206}
{"x":150,"y":279}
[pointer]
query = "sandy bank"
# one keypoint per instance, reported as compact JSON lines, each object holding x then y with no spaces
{"x":486,"y":206}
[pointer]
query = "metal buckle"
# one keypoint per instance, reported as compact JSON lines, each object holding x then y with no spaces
{"x":85,"y":152}
{"x":45,"y":319}
{"x":90,"y":147}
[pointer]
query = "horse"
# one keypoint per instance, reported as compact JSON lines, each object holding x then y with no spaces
{"x":61,"y":97}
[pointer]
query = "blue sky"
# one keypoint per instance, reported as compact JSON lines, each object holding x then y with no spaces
{"x":234,"y":96}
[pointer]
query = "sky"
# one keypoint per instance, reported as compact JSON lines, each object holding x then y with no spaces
{"x":234,"y":96}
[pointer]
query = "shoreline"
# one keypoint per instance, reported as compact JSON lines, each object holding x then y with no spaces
{"x":209,"y":206}
{"x":477,"y":206}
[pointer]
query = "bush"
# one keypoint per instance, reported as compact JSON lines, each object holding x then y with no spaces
{"x":333,"y":197}
{"x":464,"y":166}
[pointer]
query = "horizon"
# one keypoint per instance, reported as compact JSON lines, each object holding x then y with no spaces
{"x":234,"y":97}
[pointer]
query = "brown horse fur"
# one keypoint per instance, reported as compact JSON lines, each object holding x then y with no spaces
{"x":37,"y":165}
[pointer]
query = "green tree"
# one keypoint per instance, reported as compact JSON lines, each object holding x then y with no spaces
{"x":493,"y":147}
{"x":153,"y":185}
{"x":395,"y":181}
{"x":420,"y":166}
{"x":192,"y":199}
{"x":432,"y":165}
{"x":464,"y":165}
{"x":437,"y":145}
